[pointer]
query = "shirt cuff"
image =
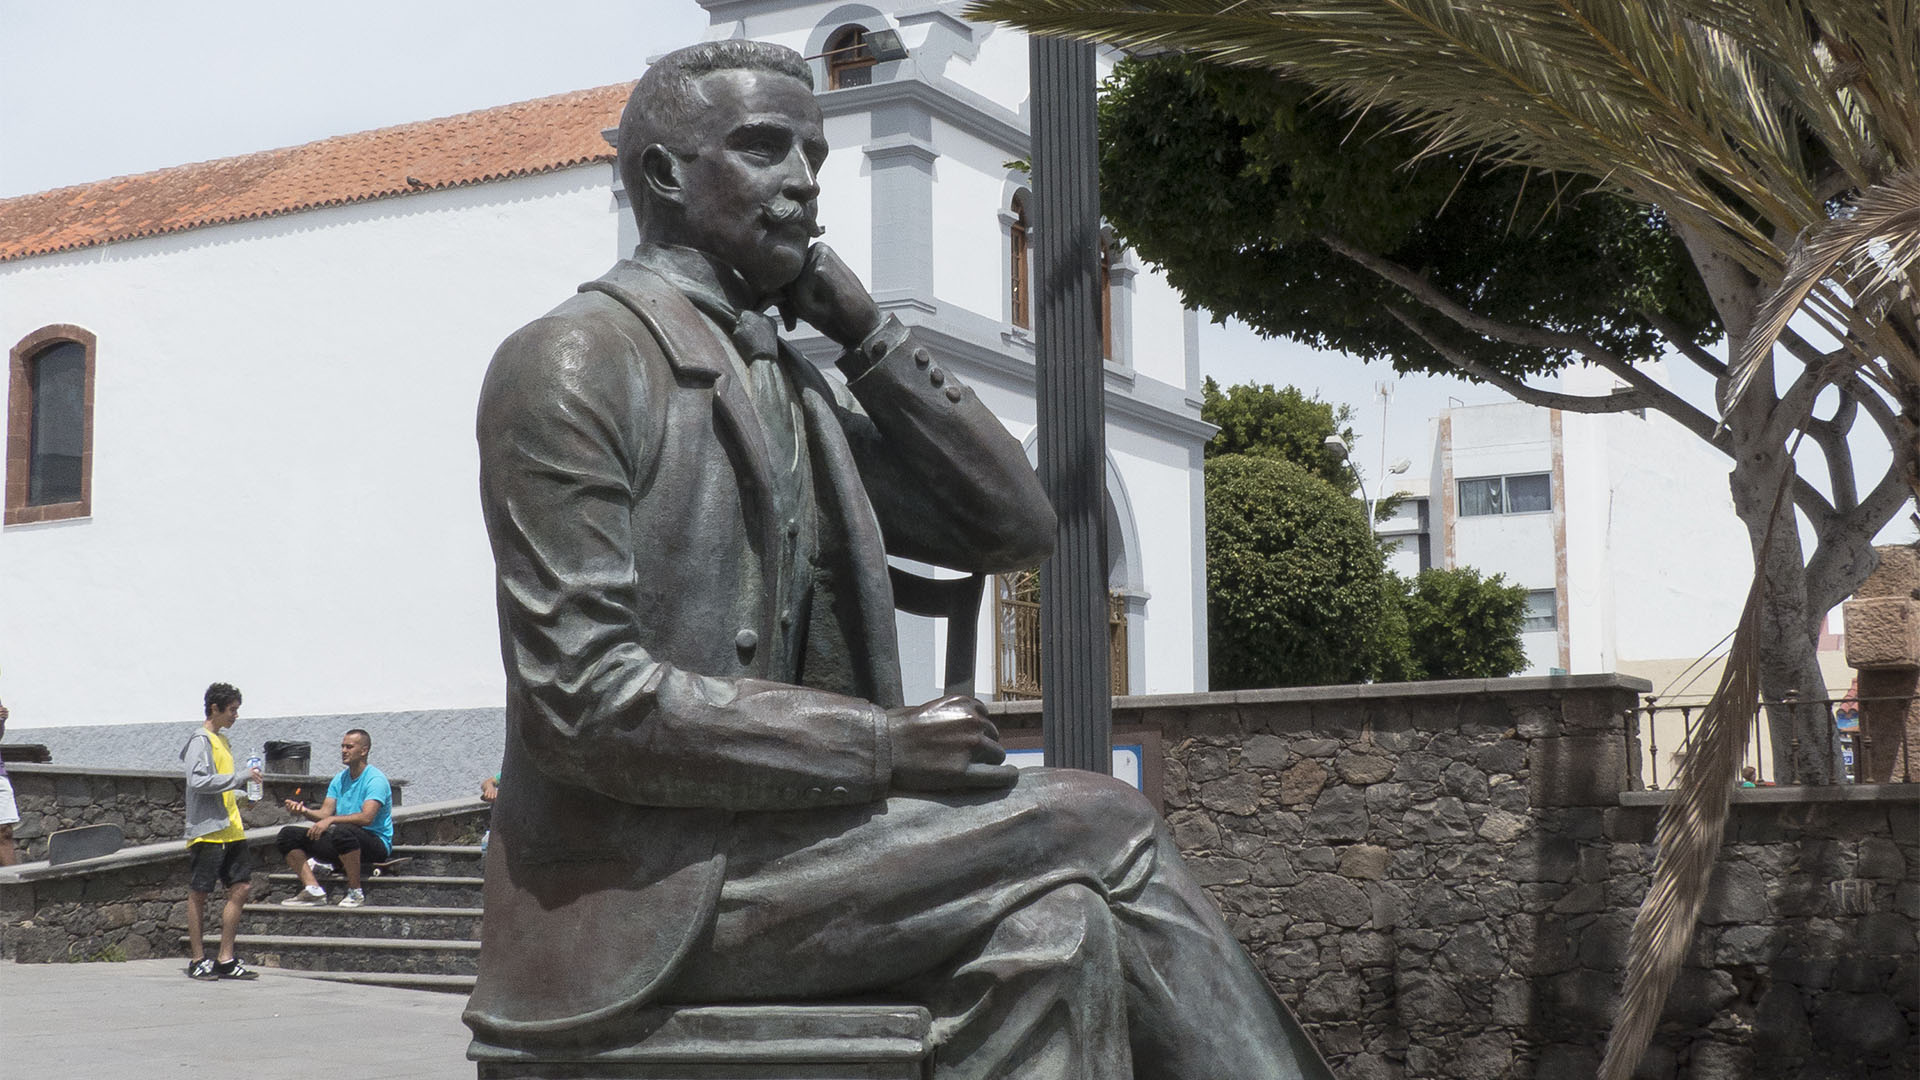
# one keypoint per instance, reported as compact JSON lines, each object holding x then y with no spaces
{"x":874,"y":348}
{"x":882,"y":755}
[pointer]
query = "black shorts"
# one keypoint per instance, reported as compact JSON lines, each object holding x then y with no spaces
{"x":227,"y":863}
{"x":336,"y":841}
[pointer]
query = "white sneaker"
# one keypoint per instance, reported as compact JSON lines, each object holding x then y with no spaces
{"x":354,"y":898}
{"x":306,"y":898}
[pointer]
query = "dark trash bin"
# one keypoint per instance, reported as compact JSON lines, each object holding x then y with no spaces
{"x":288,"y":758}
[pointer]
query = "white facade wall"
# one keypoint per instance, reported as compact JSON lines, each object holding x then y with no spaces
{"x":1648,"y":561}
{"x":285,"y":476}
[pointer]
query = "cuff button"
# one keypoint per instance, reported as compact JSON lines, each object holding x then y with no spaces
{"x":922,"y":357}
{"x":936,"y":376}
{"x":953,"y":392}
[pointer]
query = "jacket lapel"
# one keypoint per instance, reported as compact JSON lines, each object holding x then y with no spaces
{"x":852,"y":548}
{"x":700,"y":355}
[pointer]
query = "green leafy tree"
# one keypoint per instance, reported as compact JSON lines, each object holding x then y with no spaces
{"x":1285,"y":423}
{"x":1296,"y":584}
{"x":1461,"y":625}
{"x":1780,"y":141}
{"x":1775,"y":142}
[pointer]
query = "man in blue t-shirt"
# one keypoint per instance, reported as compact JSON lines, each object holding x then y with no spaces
{"x":352,"y":828}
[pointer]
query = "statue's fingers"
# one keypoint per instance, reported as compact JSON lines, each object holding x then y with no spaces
{"x":989,"y":752}
{"x":989,"y":776}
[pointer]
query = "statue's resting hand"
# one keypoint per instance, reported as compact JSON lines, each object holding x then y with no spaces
{"x":947,"y":744}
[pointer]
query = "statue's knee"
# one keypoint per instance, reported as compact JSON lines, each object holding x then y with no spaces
{"x":1101,"y":807}
{"x":1064,"y":927}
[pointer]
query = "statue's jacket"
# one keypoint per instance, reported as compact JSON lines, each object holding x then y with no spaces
{"x":626,"y":489}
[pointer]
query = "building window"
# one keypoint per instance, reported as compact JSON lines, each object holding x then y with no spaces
{"x":1016,"y":637}
{"x":50,"y":426}
{"x":849,"y":61}
{"x":1543,"y":611}
{"x":1022,"y":267}
{"x":1106,"y":301}
{"x":1529,"y":494}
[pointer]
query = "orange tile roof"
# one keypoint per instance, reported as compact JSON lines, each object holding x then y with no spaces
{"x":491,"y":144}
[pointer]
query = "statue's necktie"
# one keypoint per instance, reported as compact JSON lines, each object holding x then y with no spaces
{"x":757,"y":339}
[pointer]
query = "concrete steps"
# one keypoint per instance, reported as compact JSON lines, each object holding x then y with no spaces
{"x":459,"y":924}
{"x":411,"y":956}
{"x":420,"y":928}
{"x":396,"y":890}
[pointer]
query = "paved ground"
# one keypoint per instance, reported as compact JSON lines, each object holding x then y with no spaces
{"x":145,"y":1018}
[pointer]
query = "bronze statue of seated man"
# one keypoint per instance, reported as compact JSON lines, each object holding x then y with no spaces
{"x":712,"y":791}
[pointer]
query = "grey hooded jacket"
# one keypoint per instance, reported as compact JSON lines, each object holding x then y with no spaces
{"x":206,"y":805}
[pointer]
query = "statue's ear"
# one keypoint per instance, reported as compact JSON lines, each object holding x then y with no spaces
{"x":660,"y":168}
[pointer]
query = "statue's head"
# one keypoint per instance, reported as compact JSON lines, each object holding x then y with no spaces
{"x":720,"y":149}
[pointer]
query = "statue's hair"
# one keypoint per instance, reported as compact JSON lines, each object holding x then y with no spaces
{"x":666,"y":97}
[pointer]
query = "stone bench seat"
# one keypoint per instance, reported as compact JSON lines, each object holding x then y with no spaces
{"x":828,"y":1041}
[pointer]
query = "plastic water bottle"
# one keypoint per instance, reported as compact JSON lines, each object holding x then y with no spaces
{"x":256,"y":790}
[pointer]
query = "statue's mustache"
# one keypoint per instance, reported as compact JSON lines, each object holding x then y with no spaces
{"x":787,"y":214}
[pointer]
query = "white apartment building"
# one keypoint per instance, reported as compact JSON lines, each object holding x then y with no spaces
{"x":1619,"y":525}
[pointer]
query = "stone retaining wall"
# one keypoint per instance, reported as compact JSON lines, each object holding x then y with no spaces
{"x":1441,"y":879}
{"x":148,"y":805}
{"x":133,"y":905}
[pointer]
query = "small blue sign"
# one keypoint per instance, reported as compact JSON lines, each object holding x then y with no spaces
{"x":1126,"y":762}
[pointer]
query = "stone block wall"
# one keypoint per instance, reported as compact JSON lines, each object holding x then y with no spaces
{"x":133,"y":905}
{"x":148,"y":805}
{"x":1441,"y":879}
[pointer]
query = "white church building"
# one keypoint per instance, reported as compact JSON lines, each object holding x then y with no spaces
{"x":241,"y":397}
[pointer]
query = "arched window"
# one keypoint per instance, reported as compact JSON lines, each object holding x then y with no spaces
{"x":849,"y":61}
{"x":50,"y":426}
{"x":1106,"y":300}
{"x":1021,"y":271}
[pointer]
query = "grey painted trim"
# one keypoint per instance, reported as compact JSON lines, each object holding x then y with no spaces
{"x":1791,"y":795}
{"x":1197,"y":563}
{"x":890,"y":150}
{"x":975,"y":346}
{"x":900,"y":184}
{"x":903,"y":300}
{"x":940,"y":97}
{"x":1354,"y":693}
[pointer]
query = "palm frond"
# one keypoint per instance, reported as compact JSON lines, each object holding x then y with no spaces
{"x":1689,"y":838}
{"x":1871,"y":254}
{"x":1700,"y":107}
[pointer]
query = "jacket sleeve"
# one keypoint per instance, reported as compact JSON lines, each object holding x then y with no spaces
{"x":569,"y":428}
{"x":200,"y":774}
{"x":950,"y":485}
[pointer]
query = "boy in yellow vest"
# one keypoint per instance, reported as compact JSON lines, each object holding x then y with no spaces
{"x":216,"y":841}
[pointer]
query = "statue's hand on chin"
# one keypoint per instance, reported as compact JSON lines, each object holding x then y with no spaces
{"x":829,"y":297}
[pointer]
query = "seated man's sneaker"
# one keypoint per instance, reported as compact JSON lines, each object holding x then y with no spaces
{"x":313,"y":897}
{"x":234,"y":969}
{"x":201,"y":969}
{"x":354,"y":898}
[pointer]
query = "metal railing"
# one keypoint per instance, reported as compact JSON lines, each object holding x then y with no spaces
{"x":1666,"y":734}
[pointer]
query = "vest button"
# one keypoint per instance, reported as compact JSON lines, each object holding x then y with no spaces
{"x":936,"y":376}
{"x":746,"y":641}
{"x":953,"y":392}
{"x":922,"y":357}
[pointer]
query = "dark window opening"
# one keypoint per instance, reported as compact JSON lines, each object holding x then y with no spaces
{"x":849,"y":61}
{"x":57,"y":380}
{"x":1022,"y":266}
